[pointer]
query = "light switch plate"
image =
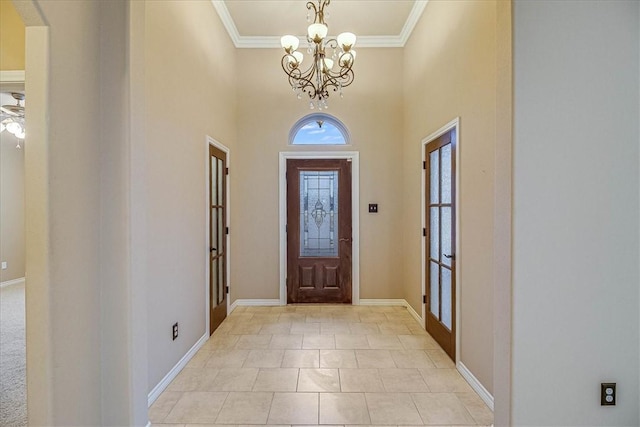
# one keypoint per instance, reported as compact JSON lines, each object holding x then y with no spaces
{"x":4,"y":265}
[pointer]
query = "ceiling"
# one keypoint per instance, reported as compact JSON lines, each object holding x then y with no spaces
{"x":261,"y":23}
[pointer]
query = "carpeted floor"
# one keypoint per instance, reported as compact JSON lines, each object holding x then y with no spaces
{"x":13,"y":390}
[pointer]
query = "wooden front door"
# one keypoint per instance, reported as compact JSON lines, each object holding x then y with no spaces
{"x":319,"y":231}
{"x":440,"y":231}
{"x":217,"y":237}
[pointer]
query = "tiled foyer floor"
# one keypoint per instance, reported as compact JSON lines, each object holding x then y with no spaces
{"x":320,"y":365}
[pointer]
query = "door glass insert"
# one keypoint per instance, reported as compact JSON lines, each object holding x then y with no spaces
{"x":215,"y":243}
{"x":435,"y":289}
{"x":318,"y":213}
{"x":435,"y":176}
{"x":214,"y":186}
{"x":446,"y":236}
{"x":434,"y":232}
{"x":221,"y":231}
{"x":221,"y":285}
{"x":214,"y":275}
{"x":446,"y":173}
{"x":220,"y":181}
{"x":446,"y":297}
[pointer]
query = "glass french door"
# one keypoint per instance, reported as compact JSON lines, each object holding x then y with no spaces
{"x":217,"y":237}
{"x":441,"y":260}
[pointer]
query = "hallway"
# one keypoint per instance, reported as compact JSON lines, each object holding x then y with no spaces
{"x":320,"y":364}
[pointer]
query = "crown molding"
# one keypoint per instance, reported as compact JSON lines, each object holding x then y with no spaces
{"x":412,"y":20}
{"x":227,"y":21}
{"x":16,"y":76}
{"x":273,"y":42}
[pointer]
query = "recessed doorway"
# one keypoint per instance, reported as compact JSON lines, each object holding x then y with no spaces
{"x":217,"y":210}
{"x":318,"y":229}
{"x":440,"y":248}
{"x":319,"y":280}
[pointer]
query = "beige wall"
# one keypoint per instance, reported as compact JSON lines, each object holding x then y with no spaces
{"x":450,"y":71}
{"x":11,"y":208}
{"x":503,"y":216}
{"x":63,"y":214}
{"x":267,"y":108}
{"x":190,"y":79}
{"x":576,"y":212}
{"x":12,"y":37}
{"x":77,"y":300}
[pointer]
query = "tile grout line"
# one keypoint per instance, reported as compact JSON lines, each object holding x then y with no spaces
{"x":273,"y":396}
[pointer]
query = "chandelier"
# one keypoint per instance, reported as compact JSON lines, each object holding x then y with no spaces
{"x":332,"y":59}
{"x":12,"y":118}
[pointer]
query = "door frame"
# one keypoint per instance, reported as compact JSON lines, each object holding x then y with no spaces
{"x":354,"y":156}
{"x":212,"y":142}
{"x":453,"y":124}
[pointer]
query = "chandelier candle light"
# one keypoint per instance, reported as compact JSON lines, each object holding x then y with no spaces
{"x":327,"y":72}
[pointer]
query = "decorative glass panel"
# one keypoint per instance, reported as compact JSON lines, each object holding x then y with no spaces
{"x":221,"y":231}
{"x":214,"y":185}
{"x":446,"y":173}
{"x":214,"y":276}
{"x":446,"y":297}
{"x":319,"y":214}
{"x":434,"y":290}
{"x":214,"y":231}
{"x":221,"y":284}
{"x":434,"y":178}
{"x":220,"y":181}
{"x":446,"y":235}
{"x":434,"y":233}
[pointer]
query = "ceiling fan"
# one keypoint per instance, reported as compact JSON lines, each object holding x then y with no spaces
{"x":12,"y":117}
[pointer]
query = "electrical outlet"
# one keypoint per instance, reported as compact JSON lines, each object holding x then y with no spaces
{"x":175,"y":331}
{"x":4,"y":265}
{"x":373,"y":208}
{"x":607,"y":394}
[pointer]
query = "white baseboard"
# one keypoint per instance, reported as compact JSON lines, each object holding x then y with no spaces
{"x":253,"y":302}
{"x":395,"y":302}
{"x":399,"y":301}
{"x":164,"y":383}
{"x":475,"y":384}
{"x":19,"y":281}
{"x":415,"y":314}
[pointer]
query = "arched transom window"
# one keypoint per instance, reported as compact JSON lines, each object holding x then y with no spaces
{"x":319,"y":129}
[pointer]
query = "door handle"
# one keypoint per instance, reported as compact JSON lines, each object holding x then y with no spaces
{"x":347,"y":239}
{"x":449,"y":256}
{"x":212,"y":249}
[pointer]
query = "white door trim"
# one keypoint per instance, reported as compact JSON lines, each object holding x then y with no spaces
{"x":210,"y":141}
{"x":355,"y":214}
{"x":453,"y":124}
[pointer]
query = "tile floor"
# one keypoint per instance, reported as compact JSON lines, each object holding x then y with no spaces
{"x":320,"y":365}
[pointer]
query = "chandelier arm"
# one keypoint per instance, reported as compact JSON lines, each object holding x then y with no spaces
{"x":337,"y":81}
{"x":298,"y":79}
{"x":346,"y":76}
